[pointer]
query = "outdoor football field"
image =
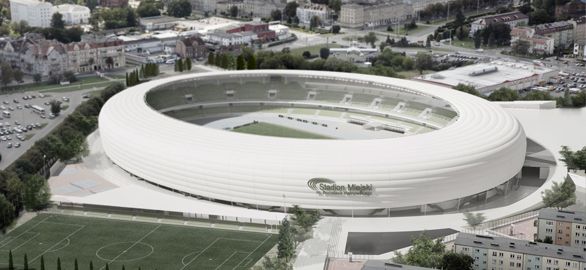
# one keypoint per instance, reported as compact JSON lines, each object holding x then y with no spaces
{"x":132,"y":244}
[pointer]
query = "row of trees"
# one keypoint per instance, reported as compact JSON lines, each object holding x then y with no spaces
{"x":22,"y":184}
{"x":182,"y":64}
{"x":25,"y":263}
{"x":426,"y":252}
{"x":506,"y":94}
{"x":227,"y":60}
{"x":147,"y":70}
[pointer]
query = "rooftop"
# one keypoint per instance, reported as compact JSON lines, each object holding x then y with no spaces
{"x":505,"y":17}
{"x":521,"y":246}
{"x":71,"y":8}
{"x":559,"y":215}
{"x":158,"y":19}
{"x":547,"y":28}
{"x":485,"y":74}
{"x":385,"y":265}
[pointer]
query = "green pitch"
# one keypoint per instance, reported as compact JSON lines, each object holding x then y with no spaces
{"x":267,"y":129}
{"x":132,"y":244}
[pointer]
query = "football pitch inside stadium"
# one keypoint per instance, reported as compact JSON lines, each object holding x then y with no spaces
{"x":130,"y":244}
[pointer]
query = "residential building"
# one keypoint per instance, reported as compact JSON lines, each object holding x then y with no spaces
{"x":203,"y":6}
{"x":261,"y":8}
{"x":354,"y":54}
{"x":74,"y":14}
{"x":158,"y":22}
{"x":513,"y":19}
{"x":113,"y":3}
{"x":34,"y":54}
{"x":261,"y":29}
{"x":35,"y":13}
{"x":562,"y":32}
{"x":191,"y":47}
{"x":504,"y":253}
{"x":372,"y":15}
{"x":308,"y":11}
{"x":565,"y":228}
{"x":419,"y":5}
{"x":225,"y":5}
{"x":537,"y":44}
{"x":579,"y":30}
{"x":571,"y":9}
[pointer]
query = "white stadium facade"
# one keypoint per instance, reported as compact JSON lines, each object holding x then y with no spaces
{"x":443,"y":148}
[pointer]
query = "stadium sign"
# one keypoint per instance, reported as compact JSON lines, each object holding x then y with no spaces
{"x":328,"y":187}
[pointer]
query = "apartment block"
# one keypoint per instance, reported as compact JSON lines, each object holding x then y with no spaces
{"x":565,"y":228}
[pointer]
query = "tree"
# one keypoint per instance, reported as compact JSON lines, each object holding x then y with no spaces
{"x":75,"y":265}
{"x":18,"y":74}
{"x":324,"y":53}
{"x":473,"y":219}
{"x":36,"y":192}
{"x":460,"y":18}
{"x":234,"y":11}
{"x":179,"y":8}
{"x":240,"y":64}
{"x":276,"y":15}
{"x":467,"y":89}
{"x":314,"y":22}
{"x":560,"y":195}
{"x":69,"y":76}
{"x":6,"y":212}
{"x":568,"y":158}
{"x":211,"y":58}
{"x":371,"y":38}
{"x":306,"y":54}
{"x":286,"y":244}
{"x":92,"y":265}
{"x":147,"y":9}
{"x":477,"y":39}
{"x":336,"y":29}
{"x":521,"y":47}
{"x":457,"y":261}
{"x":57,"y":21}
{"x":273,"y":263}
{"x":26,"y":262}
{"x":91,"y":4}
{"x":7,"y":74}
{"x":425,"y":252}
{"x":251,"y":63}
{"x":42,"y":262}
{"x":187,"y":63}
{"x":37,"y":77}
{"x":423,"y":61}
{"x":335,"y":5}
{"x":504,"y":94}
{"x":290,"y":10}
{"x":55,"y":107}
{"x":58,"y":263}
{"x":10,"y":261}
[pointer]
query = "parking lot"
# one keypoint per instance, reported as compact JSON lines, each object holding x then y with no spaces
{"x":574,"y":82}
{"x":26,"y":117}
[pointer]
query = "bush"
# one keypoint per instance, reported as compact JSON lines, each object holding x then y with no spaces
{"x":69,"y":76}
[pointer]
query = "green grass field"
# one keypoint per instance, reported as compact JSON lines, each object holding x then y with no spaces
{"x":314,"y":49}
{"x":267,"y":129}
{"x":83,"y":83}
{"x":132,"y":244}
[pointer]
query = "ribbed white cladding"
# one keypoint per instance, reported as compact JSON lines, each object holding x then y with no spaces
{"x":482,"y":149}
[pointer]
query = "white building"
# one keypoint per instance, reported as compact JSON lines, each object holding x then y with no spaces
{"x":306,"y":12}
{"x":356,"y":16}
{"x":74,"y":14}
{"x":35,"y":13}
{"x":281,"y":31}
{"x":487,"y":77}
{"x":229,"y":39}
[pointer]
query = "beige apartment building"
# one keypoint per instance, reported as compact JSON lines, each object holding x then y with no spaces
{"x":365,"y":15}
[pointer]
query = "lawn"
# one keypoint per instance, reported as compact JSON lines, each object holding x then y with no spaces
{"x":314,"y":49}
{"x":83,"y":83}
{"x":266,"y":129}
{"x":403,"y":31}
{"x":130,"y":244}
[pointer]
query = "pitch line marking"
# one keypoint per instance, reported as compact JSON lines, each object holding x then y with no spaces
{"x":23,"y":243}
{"x":194,"y":258}
{"x":60,"y":248}
{"x":226,"y":260}
{"x":53,"y":246}
{"x":21,"y":234}
{"x":131,"y":246}
{"x":188,"y":254}
{"x":268,"y":236}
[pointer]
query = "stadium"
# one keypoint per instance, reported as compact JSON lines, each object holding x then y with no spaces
{"x":338,"y":142}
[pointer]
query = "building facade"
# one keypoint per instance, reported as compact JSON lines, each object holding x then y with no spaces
{"x":74,"y":14}
{"x":113,"y":3}
{"x":565,"y":228}
{"x":191,"y":47}
{"x":35,"y":13}
{"x":366,"y":15}
{"x":500,"y":253}
{"x":513,"y":19}
{"x":308,"y":11}
{"x":562,"y":33}
{"x":35,"y":55}
{"x":262,"y":31}
{"x":537,"y":44}
{"x":579,"y":30}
